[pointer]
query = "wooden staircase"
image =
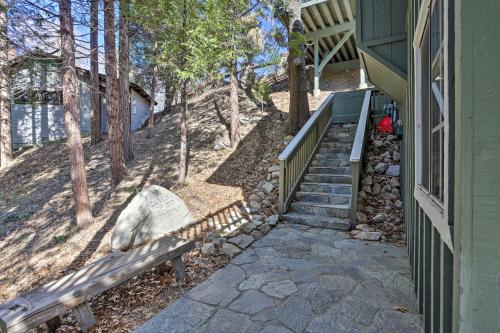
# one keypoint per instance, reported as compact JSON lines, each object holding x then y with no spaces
{"x":324,"y":196}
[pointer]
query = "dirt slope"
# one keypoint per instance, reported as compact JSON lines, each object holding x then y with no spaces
{"x":38,"y":238}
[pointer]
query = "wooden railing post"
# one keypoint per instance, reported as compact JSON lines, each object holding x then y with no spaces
{"x":357,"y":154}
{"x":297,"y":156}
{"x":282,"y":187}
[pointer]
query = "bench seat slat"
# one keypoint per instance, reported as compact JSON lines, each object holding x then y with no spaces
{"x":54,"y":298}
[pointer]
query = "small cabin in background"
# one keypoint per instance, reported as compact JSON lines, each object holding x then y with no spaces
{"x":37,"y":114}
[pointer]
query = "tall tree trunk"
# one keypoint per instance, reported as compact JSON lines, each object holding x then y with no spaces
{"x":95,"y":131}
{"x":234,"y":101}
{"x":124,"y":82}
{"x":5,"y":131}
{"x":184,"y":133}
{"x":151,"y":121}
{"x":298,"y":112}
{"x":170,"y":91}
{"x":72,"y":117}
{"x":118,"y":170}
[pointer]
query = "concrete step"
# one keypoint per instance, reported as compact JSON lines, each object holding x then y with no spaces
{"x":328,"y":178}
{"x":328,"y":143}
{"x":326,"y":188}
{"x":339,"y":156}
{"x":332,"y":163}
{"x":330,"y":170}
{"x":320,"y":209}
{"x":323,"y":197}
{"x":336,"y":150}
{"x":317,"y":221}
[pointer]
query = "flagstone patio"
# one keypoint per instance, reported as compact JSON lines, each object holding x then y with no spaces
{"x":301,"y":279}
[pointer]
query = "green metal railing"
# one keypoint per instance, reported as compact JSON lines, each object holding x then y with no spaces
{"x":356,"y":158}
{"x":297,"y":156}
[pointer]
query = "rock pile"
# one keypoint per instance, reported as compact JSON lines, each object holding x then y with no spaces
{"x":380,"y":214}
{"x":233,"y":243}
{"x":254,"y":225}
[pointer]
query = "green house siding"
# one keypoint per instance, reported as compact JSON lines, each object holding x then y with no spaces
{"x":382,"y":44}
{"x":457,"y":283}
{"x":477,"y":164}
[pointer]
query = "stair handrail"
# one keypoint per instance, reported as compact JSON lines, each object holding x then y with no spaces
{"x":298,"y":154}
{"x":357,"y":154}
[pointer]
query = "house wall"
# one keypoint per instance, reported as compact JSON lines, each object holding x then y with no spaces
{"x":458,"y":287}
{"x":34,"y":124}
{"x":139,"y":110}
{"x":381,"y":42}
{"x":477,"y":180}
{"x":431,"y":257}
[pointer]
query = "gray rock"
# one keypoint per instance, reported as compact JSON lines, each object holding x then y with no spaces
{"x":361,"y":217}
{"x":211,"y":236}
{"x":367,"y":180}
{"x":274,"y":168}
{"x":272,"y":220}
{"x":376,"y":188}
{"x":387,"y":188}
{"x":254,"y":204}
{"x":254,"y":197}
{"x":181,"y":316}
{"x":369,"y":169}
{"x":394,"y":182}
{"x":256,"y":234}
{"x":362,"y":194}
{"x":398,"y":204}
{"x":323,"y":250}
{"x":280,"y":289}
{"x":226,"y":321}
{"x":220,"y":288}
{"x":267,"y":187}
{"x":248,"y":227}
{"x":253,"y":282}
{"x":152,"y":213}
{"x":380,"y":217}
{"x":395,"y":192}
{"x":265,"y":228}
{"x":218,"y":241}
{"x":230,"y":249}
{"x":368,"y":235}
{"x":295,"y":313}
{"x":366,"y":189}
{"x":208,"y":249}
{"x":363,"y":227}
{"x":242,"y":241}
{"x":274,"y":329}
{"x":252,"y":302}
{"x":380,"y":168}
{"x":393,"y":170}
{"x":396,"y":156}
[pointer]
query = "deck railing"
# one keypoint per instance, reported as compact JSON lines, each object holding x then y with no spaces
{"x":356,"y":158}
{"x":297,"y":156}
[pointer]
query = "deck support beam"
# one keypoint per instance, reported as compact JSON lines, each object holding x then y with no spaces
{"x":317,"y":72}
{"x":318,"y":67}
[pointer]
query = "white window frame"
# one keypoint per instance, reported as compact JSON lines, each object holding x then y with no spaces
{"x":436,"y":211}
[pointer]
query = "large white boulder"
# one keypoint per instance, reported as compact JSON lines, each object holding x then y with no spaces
{"x":152,"y":213}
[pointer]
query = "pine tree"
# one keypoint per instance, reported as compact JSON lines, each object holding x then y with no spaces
{"x":118,"y":170}
{"x":5,"y":131}
{"x":298,"y":113}
{"x":72,"y":116}
{"x":94,"y":72}
{"x":124,"y":84}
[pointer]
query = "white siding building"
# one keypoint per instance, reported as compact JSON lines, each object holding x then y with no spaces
{"x":37,"y":114}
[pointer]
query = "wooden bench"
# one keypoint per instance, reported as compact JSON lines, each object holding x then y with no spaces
{"x":73,"y":291}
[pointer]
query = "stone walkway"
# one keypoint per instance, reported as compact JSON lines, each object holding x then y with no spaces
{"x":301,"y":279}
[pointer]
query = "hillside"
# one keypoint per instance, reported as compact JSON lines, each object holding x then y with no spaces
{"x":38,"y":238}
